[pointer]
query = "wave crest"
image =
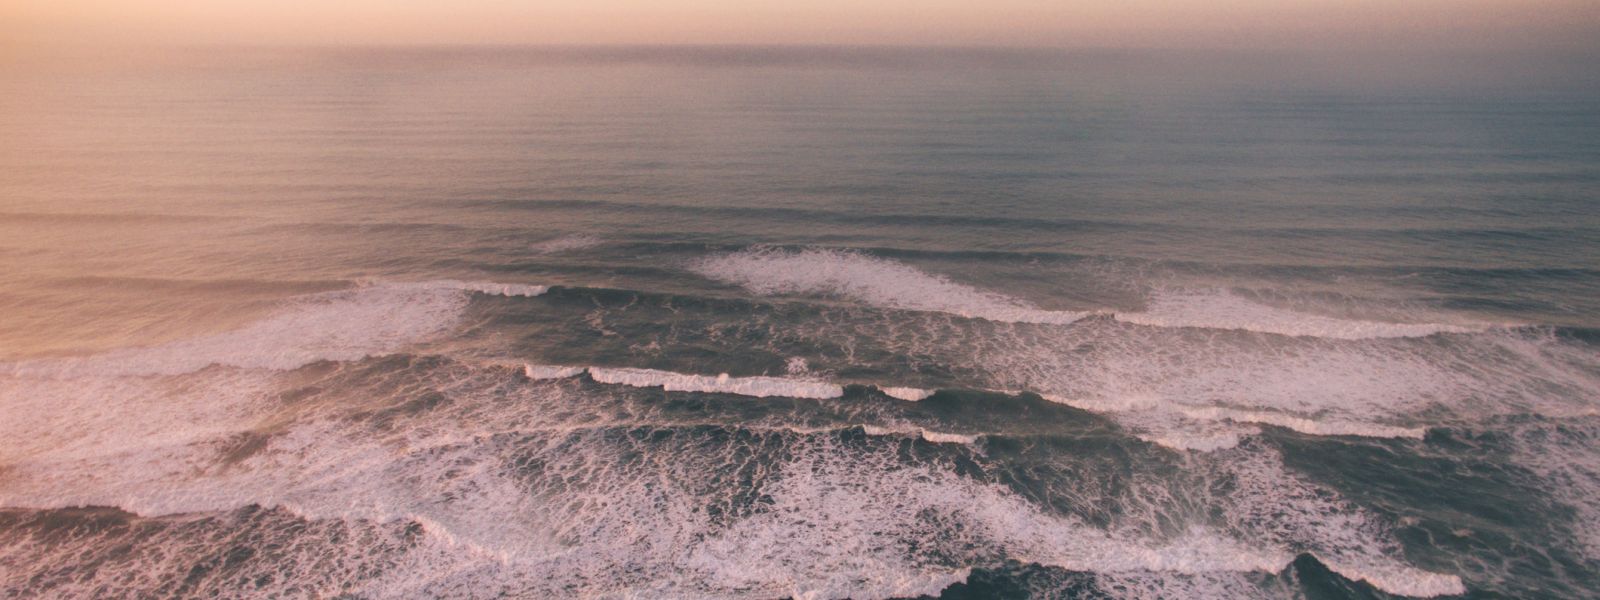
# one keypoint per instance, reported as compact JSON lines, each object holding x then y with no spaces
{"x":1221,"y":310}
{"x":876,"y":281}
{"x":343,"y":325}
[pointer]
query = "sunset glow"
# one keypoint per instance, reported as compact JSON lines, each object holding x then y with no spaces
{"x":1073,"y":23}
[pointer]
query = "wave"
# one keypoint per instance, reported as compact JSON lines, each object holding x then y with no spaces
{"x":1304,"y":424}
{"x":937,"y":437}
{"x":876,"y":281}
{"x":666,"y":509}
{"x":1251,"y":269}
{"x":372,"y":319}
{"x":1399,"y":579}
{"x":566,"y":243}
{"x":1564,"y":454}
{"x":888,"y":283}
{"x":533,"y":371}
{"x":1148,"y":412}
{"x":1214,"y":436}
{"x":1204,"y":428}
{"x":757,"y":387}
{"x":1281,"y":509}
{"x":1221,"y":310}
{"x":1132,"y":407}
{"x":482,"y":287}
{"x":909,"y":394}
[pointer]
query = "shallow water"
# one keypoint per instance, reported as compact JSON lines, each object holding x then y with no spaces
{"x":785,"y":323}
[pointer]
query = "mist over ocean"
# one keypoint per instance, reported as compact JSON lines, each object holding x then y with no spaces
{"x":796,"y":322}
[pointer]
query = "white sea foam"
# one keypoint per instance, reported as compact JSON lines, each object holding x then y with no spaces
{"x":482,"y":287}
{"x":533,"y":371}
{"x":1215,"y":309}
{"x":1380,"y":388}
{"x":909,"y":394}
{"x":1204,"y":428}
{"x":872,"y":280}
{"x":841,"y":520}
{"x":1566,"y":460}
{"x":1118,"y":403}
{"x":759,"y":386}
{"x":882,"y":430}
{"x":97,"y":416}
{"x":835,"y":512}
{"x":1279,"y":508}
{"x":1139,"y":410}
{"x":1182,"y":427}
{"x":1304,"y":424}
{"x":796,"y":365}
{"x":343,"y":325}
{"x":566,"y":243}
{"x":937,"y":437}
{"x":1400,"y":579}
{"x":1187,"y":434}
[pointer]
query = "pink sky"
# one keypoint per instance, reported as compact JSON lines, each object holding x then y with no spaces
{"x":1444,"y":24}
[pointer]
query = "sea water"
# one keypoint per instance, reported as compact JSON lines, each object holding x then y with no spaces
{"x":811,"y":323}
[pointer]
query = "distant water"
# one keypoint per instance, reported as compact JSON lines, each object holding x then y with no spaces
{"x":793,"y":323}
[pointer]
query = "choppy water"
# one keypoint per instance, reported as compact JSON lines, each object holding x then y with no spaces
{"x":762,"y":324}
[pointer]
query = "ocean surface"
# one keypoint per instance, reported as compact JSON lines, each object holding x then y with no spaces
{"x":809,"y":323}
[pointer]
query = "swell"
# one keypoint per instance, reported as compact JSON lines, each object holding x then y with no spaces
{"x":823,"y":216}
{"x":807,"y":215}
{"x":64,"y":218}
{"x":1259,"y":268}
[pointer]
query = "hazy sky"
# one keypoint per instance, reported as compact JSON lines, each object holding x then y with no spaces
{"x":1445,"y":24}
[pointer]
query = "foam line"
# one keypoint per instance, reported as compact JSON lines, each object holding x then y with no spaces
{"x":1148,"y":413}
{"x":937,"y":437}
{"x":343,"y":325}
{"x":1304,"y":425}
{"x":759,"y":387}
{"x":1221,"y":310}
{"x":876,"y":281}
{"x":533,"y":371}
{"x":1400,"y":579}
{"x":1212,"y":438}
{"x":489,"y":288}
{"x":566,"y":243}
{"x":909,"y":394}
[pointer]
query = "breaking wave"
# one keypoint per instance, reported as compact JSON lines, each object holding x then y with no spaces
{"x":1221,"y":310}
{"x":875,"y":281}
{"x":341,"y":325}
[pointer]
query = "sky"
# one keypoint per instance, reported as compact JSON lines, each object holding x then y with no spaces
{"x":1422,"y":24}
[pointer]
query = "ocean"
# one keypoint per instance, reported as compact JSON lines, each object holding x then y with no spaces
{"x":794,"y":323}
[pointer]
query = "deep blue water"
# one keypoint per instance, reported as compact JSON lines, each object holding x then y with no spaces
{"x":815,"y":323}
